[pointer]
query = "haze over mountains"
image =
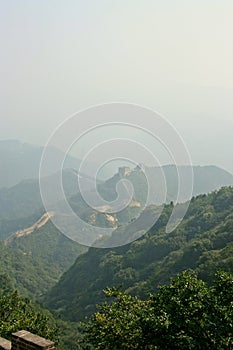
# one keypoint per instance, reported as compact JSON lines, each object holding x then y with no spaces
{"x":21,"y":161}
{"x":20,"y":200}
{"x":19,"y":186}
{"x":21,"y":204}
{"x":131,"y":98}
{"x":67,"y":277}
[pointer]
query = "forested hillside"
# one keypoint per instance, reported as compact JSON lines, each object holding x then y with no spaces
{"x":203,"y":242}
{"x":35,"y":262}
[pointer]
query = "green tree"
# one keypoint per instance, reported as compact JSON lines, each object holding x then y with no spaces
{"x":17,"y":313}
{"x":186,"y":314}
{"x":6,"y":284}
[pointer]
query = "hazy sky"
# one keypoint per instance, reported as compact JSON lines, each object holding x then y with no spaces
{"x":176,"y":57}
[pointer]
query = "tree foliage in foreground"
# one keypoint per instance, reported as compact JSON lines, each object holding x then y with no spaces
{"x":17,"y":313}
{"x":186,"y":314}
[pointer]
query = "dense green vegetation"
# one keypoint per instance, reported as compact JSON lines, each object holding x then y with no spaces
{"x":36,"y":261}
{"x":203,"y":242}
{"x":10,"y":225}
{"x":186,"y":314}
{"x":18,"y":313}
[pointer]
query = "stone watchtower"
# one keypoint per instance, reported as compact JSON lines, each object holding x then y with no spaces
{"x":124,"y":171}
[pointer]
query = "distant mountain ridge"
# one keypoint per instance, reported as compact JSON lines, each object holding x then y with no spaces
{"x":205,"y":180}
{"x":24,"y":199}
{"x":21,"y":161}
